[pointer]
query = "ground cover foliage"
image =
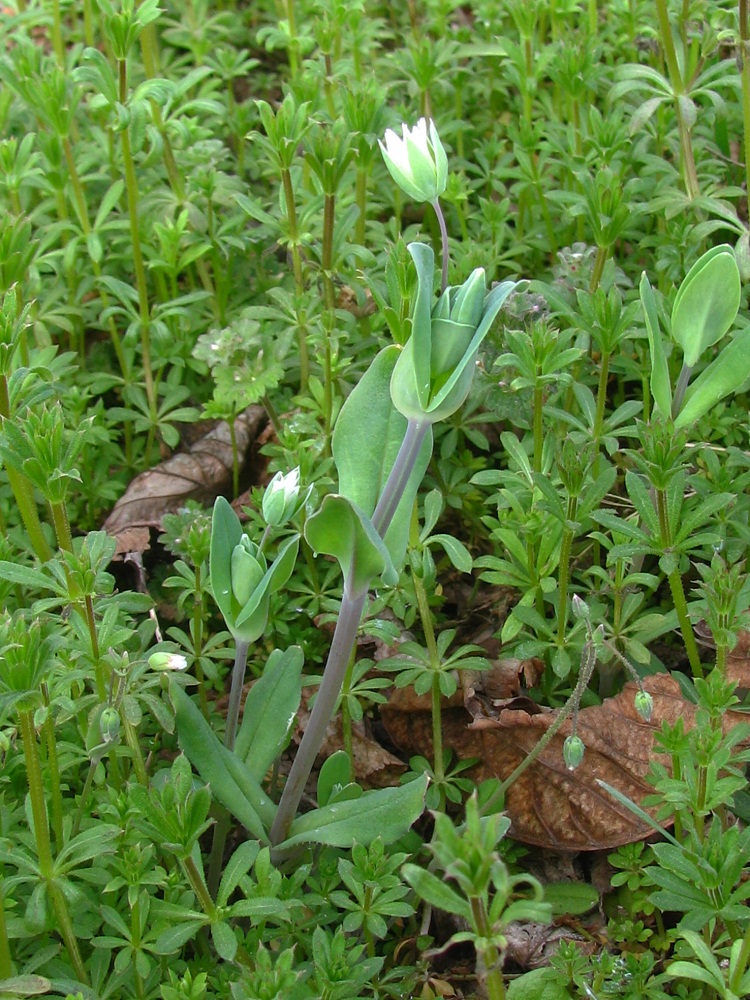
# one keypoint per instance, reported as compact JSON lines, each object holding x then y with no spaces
{"x":451,"y":702}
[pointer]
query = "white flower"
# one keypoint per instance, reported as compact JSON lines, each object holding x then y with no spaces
{"x":416,"y":160}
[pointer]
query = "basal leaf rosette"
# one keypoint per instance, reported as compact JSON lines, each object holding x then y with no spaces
{"x":433,"y":373}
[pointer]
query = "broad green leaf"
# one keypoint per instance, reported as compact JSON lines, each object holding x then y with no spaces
{"x":724,"y":375}
{"x":539,"y":984}
{"x":341,"y":529}
{"x":661,"y":387}
{"x":456,"y":551}
{"x":224,"y":940}
{"x":436,"y":892}
{"x":707,"y":302}
{"x":366,"y":440}
{"x":226,"y":532}
{"x":387,"y":813}
{"x":335,"y":773}
{"x":571,"y":897}
{"x":273,"y":698}
{"x":210,"y":758}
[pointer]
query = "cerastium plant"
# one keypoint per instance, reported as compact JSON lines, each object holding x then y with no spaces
{"x":381,"y":446}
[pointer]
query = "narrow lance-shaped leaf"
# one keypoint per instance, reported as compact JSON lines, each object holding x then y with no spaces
{"x":270,"y":708}
{"x":661,"y":388}
{"x":387,"y":813}
{"x":209,"y":757}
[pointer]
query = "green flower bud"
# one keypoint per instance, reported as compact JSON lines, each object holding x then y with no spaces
{"x":573,"y":751}
{"x":644,"y":705}
{"x":248,"y":569}
{"x":434,"y":371}
{"x":580,"y":608}
{"x":416,"y":160}
{"x":109,"y":724}
{"x":281,"y":498}
{"x":469,"y":303}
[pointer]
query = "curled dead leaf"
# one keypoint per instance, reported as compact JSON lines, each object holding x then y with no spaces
{"x":200,"y":473}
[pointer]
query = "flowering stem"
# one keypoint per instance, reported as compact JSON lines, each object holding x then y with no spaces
{"x":344,"y":637}
{"x":399,"y":475}
{"x":230,"y":733}
{"x":444,"y":242}
{"x":352,"y":605}
{"x":235,"y":693}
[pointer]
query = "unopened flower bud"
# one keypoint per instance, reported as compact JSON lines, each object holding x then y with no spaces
{"x":580,"y":608}
{"x":416,"y":160}
{"x":280,"y":500}
{"x":167,"y":661}
{"x":573,"y":751}
{"x":247,"y":569}
{"x":109,"y":724}
{"x":644,"y":705}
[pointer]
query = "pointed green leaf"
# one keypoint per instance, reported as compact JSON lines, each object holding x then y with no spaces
{"x":386,"y":813}
{"x":235,"y":869}
{"x":661,"y":387}
{"x":436,"y":892}
{"x":210,"y":758}
{"x":273,"y":700}
{"x":226,"y":532}
{"x":456,"y":551}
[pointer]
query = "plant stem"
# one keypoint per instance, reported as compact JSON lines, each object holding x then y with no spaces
{"x":678,"y":591}
{"x":131,"y":188}
{"x":291,"y":216}
{"x":601,"y":396}
{"x":600,"y":260}
{"x":679,"y":390}
{"x":399,"y":475}
{"x":329,"y":322}
{"x":230,"y":733}
{"x":131,"y":738}
{"x":745,"y":73}
{"x":688,"y":637}
{"x":538,"y":426}
{"x":199,"y":887}
{"x":54,"y":772}
{"x":344,"y":637}
{"x":6,"y":964}
{"x":235,"y":692}
{"x":488,"y":956}
{"x":443,"y":242}
{"x":425,"y":616}
{"x":678,"y":89}
{"x":43,"y":845}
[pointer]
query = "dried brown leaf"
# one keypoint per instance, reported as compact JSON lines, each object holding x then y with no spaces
{"x":550,"y":806}
{"x":200,"y":473}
